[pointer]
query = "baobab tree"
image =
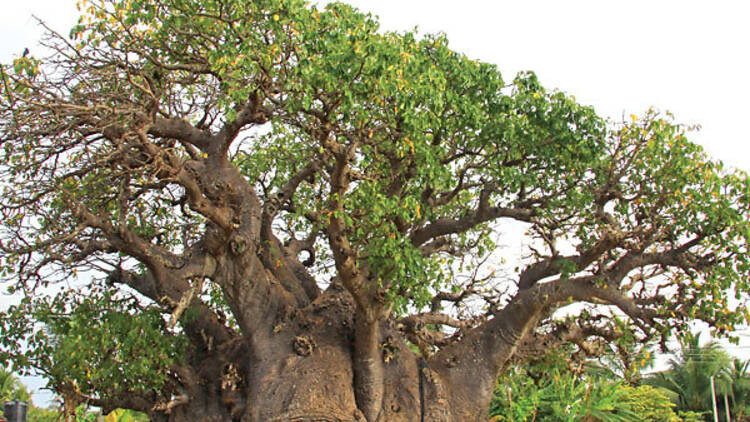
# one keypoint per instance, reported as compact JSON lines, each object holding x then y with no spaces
{"x":261,"y":211}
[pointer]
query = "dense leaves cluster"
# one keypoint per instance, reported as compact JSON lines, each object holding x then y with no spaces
{"x":91,"y":342}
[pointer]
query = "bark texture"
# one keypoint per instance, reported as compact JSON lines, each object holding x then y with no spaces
{"x":306,"y":370}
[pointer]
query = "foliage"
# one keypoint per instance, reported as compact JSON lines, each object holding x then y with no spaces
{"x":516,"y":397}
{"x":38,"y":414}
{"x":93,"y":341}
{"x":740,"y":404}
{"x":690,"y":416}
{"x":11,"y":388}
{"x":571,"y":399}
{"x":550,"y":391}
{"x":125,"y":415}
{"x":528,"y":392}
{"x":625,"y":357}
{"x":83,"y":413}
{"x":650,"y":404}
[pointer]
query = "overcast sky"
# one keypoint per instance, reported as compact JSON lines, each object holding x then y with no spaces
{"x":689,"y":57}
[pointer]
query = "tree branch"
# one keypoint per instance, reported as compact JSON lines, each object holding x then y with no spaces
{"x":181,"y":130}
{"x":446,"y":226}
{"x":252,"y":112}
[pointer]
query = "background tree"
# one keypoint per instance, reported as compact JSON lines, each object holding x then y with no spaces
{"x":690,"y":372}
{"x":740,"y":404}
{"x":11,"y":388}
{"x":271,"y":202}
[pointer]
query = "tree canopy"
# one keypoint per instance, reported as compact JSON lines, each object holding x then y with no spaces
{"x":187,"y":184}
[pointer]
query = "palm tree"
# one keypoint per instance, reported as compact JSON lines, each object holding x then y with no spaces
{"x":7,"y":385}
{"x":11,"y":388}
{"x":740,"y":374}
{"x":689,"y":376}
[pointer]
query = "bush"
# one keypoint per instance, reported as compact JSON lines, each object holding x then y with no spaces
{"x":650,"y":404}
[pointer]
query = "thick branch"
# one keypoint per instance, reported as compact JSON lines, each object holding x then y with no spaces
{"x":446,"y":226}
{"x":181,"y":130}
{"x":555,"y":264}
{"x":124,"y":240}
{"x":539,"y":344}
{"x":252,"y":112}
{"x":122,"y":400}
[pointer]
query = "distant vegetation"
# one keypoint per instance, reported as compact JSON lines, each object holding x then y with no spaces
{"x":12,"y":389}
{"x":614,"y":389}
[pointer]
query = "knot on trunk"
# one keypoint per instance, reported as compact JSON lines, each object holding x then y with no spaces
{"x":231,"y":396}
{"x":390,"y":349}
{"x":304,"y":345}
{"x":238,"y":245}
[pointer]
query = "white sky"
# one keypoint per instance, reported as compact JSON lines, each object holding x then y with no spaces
{"x":688,"y":57}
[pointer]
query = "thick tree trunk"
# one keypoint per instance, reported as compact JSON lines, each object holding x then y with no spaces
{"x":306,"y":371}
{"x":298,"y":355}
